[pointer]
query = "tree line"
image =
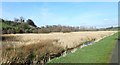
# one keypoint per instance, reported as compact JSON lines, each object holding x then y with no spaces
{"x":64,"y":29}
{"x":20,"y":25}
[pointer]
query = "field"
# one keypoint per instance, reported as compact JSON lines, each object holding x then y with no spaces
{"x":63,"y":39}
{"x":41,"y":48}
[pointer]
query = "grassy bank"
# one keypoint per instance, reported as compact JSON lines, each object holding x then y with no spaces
{"x":99,"y":52}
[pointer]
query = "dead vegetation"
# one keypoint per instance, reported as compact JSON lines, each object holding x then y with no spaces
{"x":63,"y":39}
{"x":28,"y":53}
{"x":40,"y":48}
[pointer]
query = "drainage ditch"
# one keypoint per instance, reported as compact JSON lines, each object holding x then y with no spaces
{"x":71,"y":50}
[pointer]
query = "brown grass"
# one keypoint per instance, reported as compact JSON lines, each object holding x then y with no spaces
{"x":18,"y":47}
{"x":64,"y":39}
{"x":38,"y":51}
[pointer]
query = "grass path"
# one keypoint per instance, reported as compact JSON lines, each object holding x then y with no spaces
{"x":114,"y":58}
{"x":99,"y":52}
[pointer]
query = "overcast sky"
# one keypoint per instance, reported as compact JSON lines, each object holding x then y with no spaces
{"x":99,"y":14}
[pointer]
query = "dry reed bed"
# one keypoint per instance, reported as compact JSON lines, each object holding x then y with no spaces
{"x":41,"y":45}
{"x":34,"y":52}
{"x":68,"y":40}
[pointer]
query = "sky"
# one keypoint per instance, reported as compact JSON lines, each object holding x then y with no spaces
{"x":60,"y":0}
{"x":99,"y":14}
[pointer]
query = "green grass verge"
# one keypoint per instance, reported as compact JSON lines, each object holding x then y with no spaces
{"x":99,"y":52}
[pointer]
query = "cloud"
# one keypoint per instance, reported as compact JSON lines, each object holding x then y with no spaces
{"x":110,"y":20}
{"x":106,"y":19}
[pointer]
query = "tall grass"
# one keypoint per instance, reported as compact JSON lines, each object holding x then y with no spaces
{"x":38,"y":47}
{"x":33,"y":52}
